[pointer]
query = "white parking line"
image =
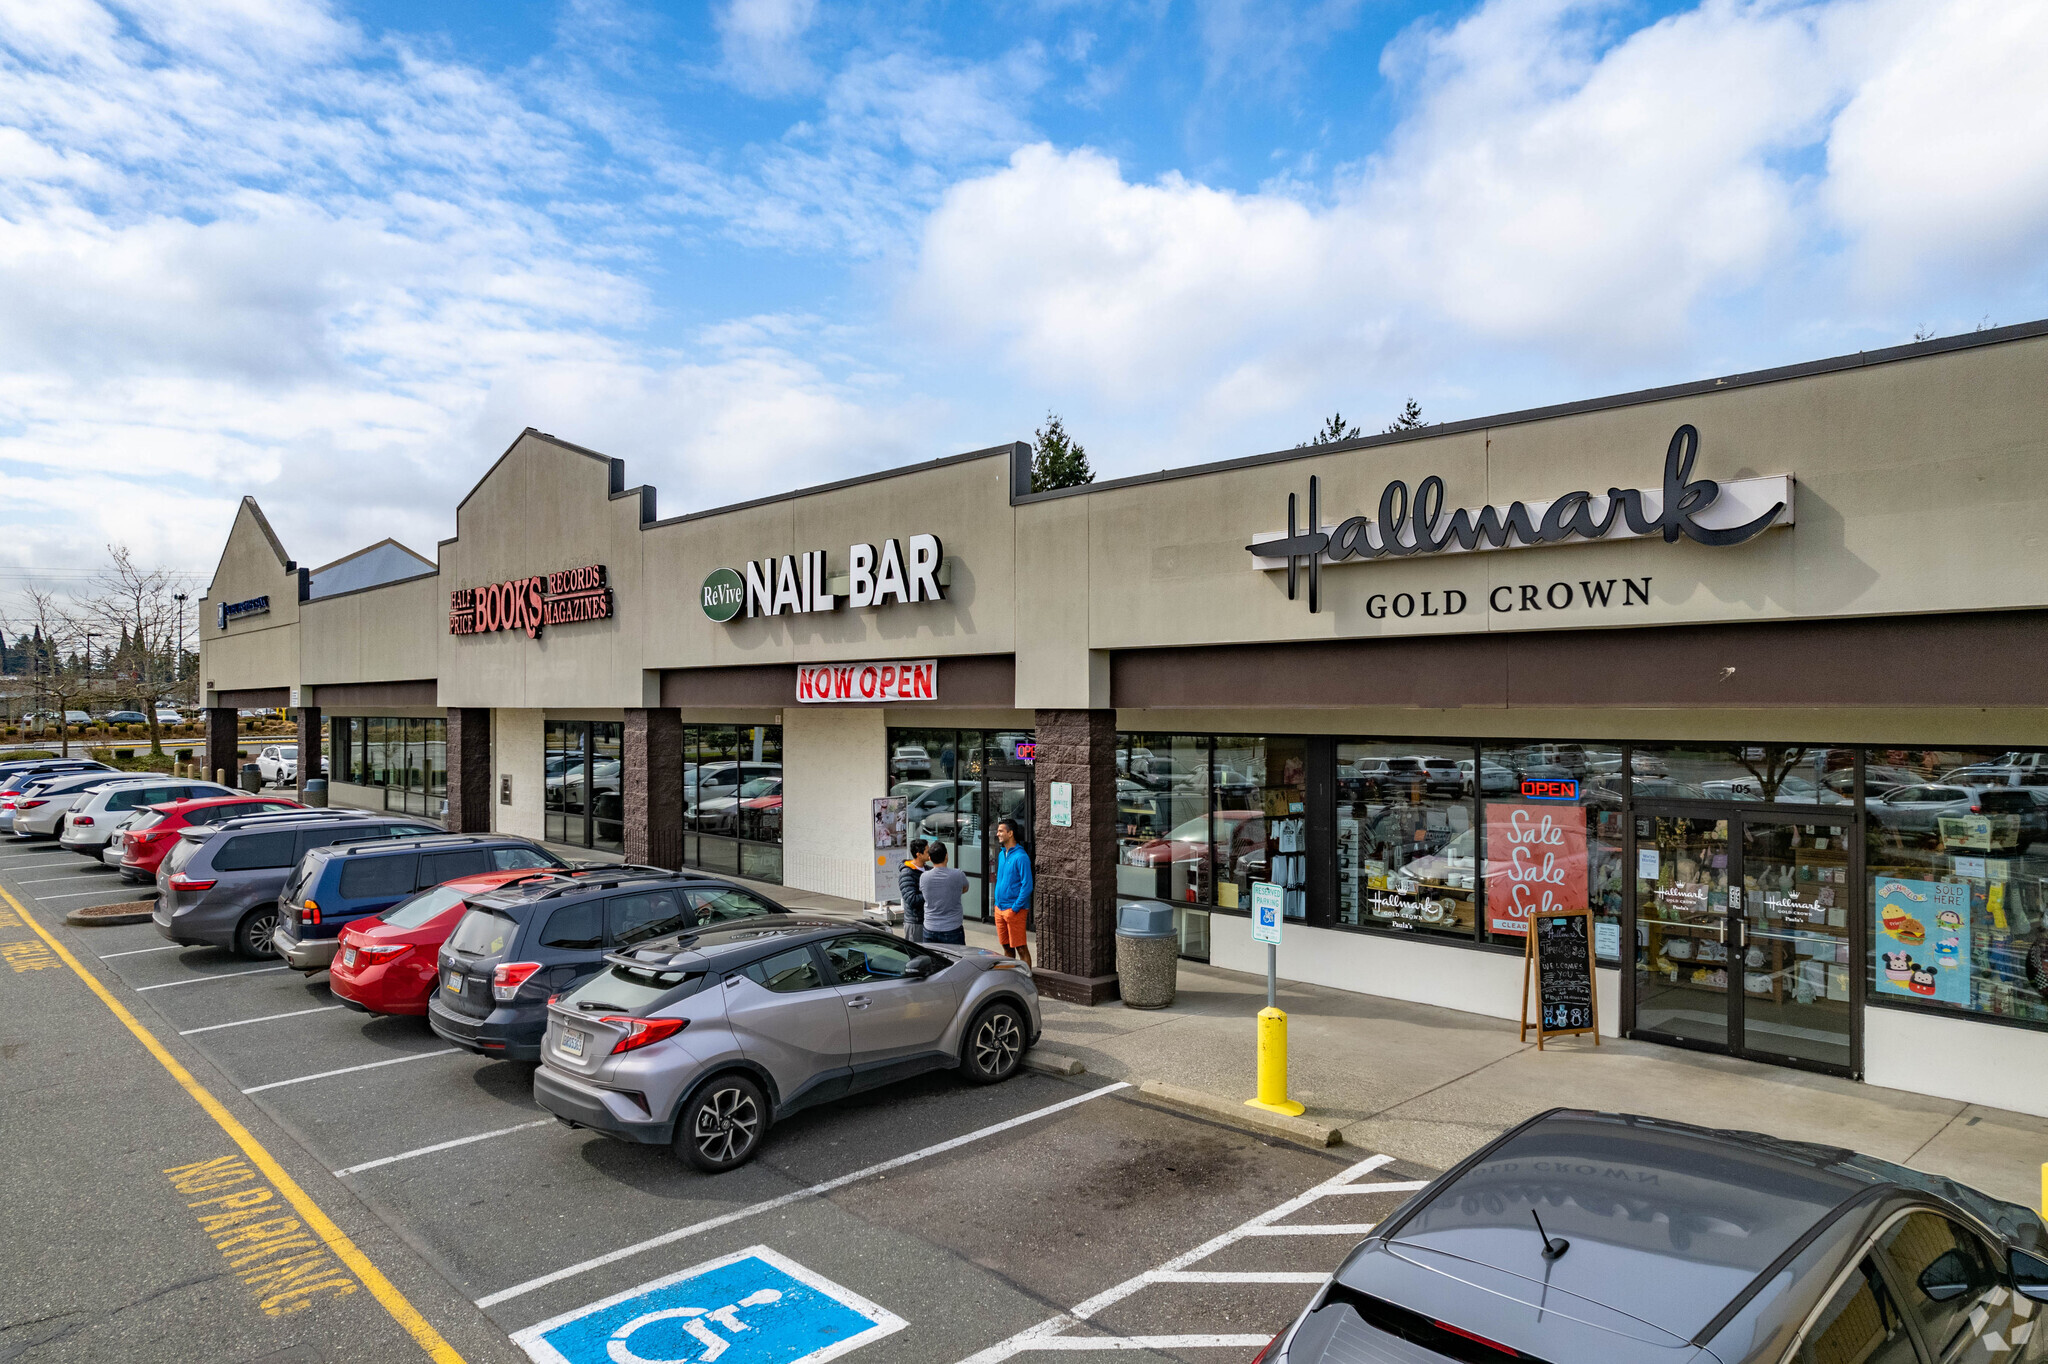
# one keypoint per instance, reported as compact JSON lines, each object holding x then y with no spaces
{"x":138,"y":951}
{"x":814,"y":1191}
{"x":82,"y":895}
{"x":267,"y":1018}
{"x":201,"y":980}
{"x":350,"y":1070}
{"x":1049,"y":1334}
{"x":76,"y":876}
{"x":442,"y":1146}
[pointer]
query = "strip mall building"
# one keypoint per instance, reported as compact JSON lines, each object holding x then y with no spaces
{"x":1754,"y":669}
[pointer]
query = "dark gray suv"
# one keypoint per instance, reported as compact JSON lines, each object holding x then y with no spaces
{"x":219,"y":887}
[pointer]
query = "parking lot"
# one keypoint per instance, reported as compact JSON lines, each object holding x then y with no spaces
{"x":930,"y":1222}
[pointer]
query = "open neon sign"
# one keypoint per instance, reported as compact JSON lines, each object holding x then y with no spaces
{"x":1534,"y":789}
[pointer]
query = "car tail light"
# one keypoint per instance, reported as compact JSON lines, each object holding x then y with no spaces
{"x":641,"y":1031}
{"x":1976,"y":809}
{"x":180,"y":881}
{"x":1262,"y":1356}
{"x":378,"y":955}
{"x":506,"y":980}
{"x":310,"y":911}
{"x":77,"y":820}
{"x":31,"y":804}
{"x":1474,"y":1336}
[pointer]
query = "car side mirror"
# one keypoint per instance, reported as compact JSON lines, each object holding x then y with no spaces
{"x":2029,"y":1275}
{"x":919,"y":968}
{"x":1947,"y":1279}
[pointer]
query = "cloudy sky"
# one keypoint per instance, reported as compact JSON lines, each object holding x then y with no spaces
{"x":337,"y":255}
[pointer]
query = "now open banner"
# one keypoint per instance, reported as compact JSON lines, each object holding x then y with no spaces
{"x":868,"y":683}
{"x":1535,"y":863}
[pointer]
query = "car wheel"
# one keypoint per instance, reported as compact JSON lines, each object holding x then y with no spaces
{"x":721,"y":1126}
{"x":995,"y":1045}
{"x":252,"y":938}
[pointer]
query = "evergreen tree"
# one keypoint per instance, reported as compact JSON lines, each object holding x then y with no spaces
{"x":1409,"y":420}
{"x":1333,"y":430}
{"x":1059,"y":461}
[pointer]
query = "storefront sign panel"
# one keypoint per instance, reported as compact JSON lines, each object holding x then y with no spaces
{"x":1923,"y":939}
{"x":1416,"y":523}
{"x":867,"y":684}
{"x":241,"y":610}
{"x":532,"y":604}
{"x":1535,"y":863}
{"x":901,"y":571}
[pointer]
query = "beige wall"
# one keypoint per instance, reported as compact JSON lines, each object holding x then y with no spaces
{"x":518,"y":750}
{"x":832,"y":768}
{"x":384,"y":634}
{"x":256,"y":651}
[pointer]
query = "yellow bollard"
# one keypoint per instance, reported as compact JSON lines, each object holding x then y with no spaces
{"x":1273,"y":1065}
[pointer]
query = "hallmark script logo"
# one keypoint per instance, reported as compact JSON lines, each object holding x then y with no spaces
{"x":531,"y":604}
{"x":1701,"y":510}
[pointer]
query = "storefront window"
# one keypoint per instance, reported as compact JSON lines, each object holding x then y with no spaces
{"x":732,"y":800}
{"x":1783,"y":774}
{"x":957,"y":784}
{"x":1163,"y":830}
{"x":1551,"y":834}
{"x":1259,"y":789}
{"x":406,"y":758}
{"x":1956,"y":864}
{"x":1405,"y":844}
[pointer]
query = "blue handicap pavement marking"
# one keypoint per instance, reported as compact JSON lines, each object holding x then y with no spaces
{"x":750,"y":1307}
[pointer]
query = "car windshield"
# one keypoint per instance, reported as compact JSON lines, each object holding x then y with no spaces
{"x":484,"y":933}
{"x":182,"y":855}
{"x":422,"y":907}
{"x":766,"y":786}
{"x":627,"y":990}
{"x":1204,"y":828}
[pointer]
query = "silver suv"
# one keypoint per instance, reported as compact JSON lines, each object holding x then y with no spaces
{"x":700,"y":1040}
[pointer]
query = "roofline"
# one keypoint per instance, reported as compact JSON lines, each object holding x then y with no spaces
{"x":357,"y":554}
{"x":616,"y":468}
{"x":1015,"y":450}
{"x":374,"y":587}
{"x":1806,"y":369}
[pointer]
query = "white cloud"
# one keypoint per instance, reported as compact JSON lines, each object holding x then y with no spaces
{"x":762,"y":44}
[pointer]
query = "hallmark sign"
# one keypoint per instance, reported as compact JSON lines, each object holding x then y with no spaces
{"x":1416,"y":523}
{"x":531,"y":604}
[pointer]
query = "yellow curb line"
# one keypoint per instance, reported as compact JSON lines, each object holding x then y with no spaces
{"x":337,"y":1240}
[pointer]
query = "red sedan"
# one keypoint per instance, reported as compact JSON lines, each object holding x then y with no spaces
{"x":154,"y":831}
{"x":388,"y":964}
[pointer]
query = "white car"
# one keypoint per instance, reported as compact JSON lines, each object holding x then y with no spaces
{"x":166,"y":716}
{"x":280,"y":763}
{"x":91,"y":824}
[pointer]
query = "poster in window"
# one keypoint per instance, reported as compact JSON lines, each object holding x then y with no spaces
{"x":1923,"y":939}
{"x":1535,"y":863}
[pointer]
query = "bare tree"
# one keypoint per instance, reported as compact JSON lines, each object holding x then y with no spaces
{"x":55,"y":680}
{"x":139,"y":607}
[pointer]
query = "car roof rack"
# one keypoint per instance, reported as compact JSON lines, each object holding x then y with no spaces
{"x":444,"y":840}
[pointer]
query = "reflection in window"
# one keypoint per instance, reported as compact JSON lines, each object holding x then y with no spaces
{"x":1163,"y":831}
{"x":956,"y":784}
{"x":1785,"y":774}
{"x":407,"y":758}
{"x":1405,"y":845}
{"x":732,"y":800}
{"x":1260,"y":833}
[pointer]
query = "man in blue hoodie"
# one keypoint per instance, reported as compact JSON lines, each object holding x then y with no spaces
{"x":1012,"y":890}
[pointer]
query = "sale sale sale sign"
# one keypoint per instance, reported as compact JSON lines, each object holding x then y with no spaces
{"x":1535,"y":863}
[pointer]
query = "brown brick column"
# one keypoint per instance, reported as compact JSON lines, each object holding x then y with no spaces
{"x":651,"y":787}
{"x":221,"y":763}
{"x":469,"y":770}
{"x":1074,"y":869}
{"x":309,"y":745}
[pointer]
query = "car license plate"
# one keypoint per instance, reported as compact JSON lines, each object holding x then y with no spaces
{"x":571,"y":1043}
{"x":348,"y":957}
{"x":455,"y":982}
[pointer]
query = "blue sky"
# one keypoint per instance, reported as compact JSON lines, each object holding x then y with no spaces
{"x":337,"y":255}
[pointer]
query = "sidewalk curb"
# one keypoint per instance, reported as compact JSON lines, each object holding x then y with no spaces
{"x":107,"y":920}
{"x":1051,"y":1063}
{"x":1300,"y":1131}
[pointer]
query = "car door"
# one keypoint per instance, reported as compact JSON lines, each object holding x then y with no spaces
{"x":1951,"y":1283}
{"x":892,"y":1018}
{"x":786,"y":1015}
{"x":641,"y":915}
{"x":438,"y":867}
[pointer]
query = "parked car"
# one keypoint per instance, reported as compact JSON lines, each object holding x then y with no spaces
{"x":219,"y":885}
{"x":90,"y":825}
{"x":713,"y":781}
{"x":1240,"y":831}
{"x":1918,"y":809}
{"x":166,"y":716}
{"x":755,"y":806}
{"x":701,"y":1041}
{"x":1603,"y":1236}
{"x":516,"y":946}
{"x":334,"y":886}
{"x":151,"y":833}
{"x":910,"y":760}
{"x":1491,"y":779}
{"x":16,"y":777}
{"x":125,"y":717}
{"x":39,"y":809}
{"x":389,"y":963}
{"x":279,"y":763}
{"x":963,"y":823}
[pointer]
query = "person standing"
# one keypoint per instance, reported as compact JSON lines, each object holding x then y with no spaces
{"x":1013,"y":890}
{"x":910,"y":892}
{"x":942,"y":887}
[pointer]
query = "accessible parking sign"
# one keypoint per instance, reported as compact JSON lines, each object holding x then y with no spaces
{"x":751,"y":1307}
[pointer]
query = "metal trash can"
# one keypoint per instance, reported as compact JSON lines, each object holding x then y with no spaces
{"x":1147,"y":955}
{"x":252,"y":776}
{"x":316,"y":792}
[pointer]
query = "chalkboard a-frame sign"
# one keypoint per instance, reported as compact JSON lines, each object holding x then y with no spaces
{"x":1559,"y":954}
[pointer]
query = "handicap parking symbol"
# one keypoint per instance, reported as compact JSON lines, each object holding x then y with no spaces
{"x":751,"y":1307}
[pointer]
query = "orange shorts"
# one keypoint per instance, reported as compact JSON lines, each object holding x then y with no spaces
{"x":1010,"y":927}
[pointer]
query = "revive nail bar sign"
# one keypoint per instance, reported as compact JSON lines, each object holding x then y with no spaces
{"x":1416,"y":523}
{"x":895,"y":571}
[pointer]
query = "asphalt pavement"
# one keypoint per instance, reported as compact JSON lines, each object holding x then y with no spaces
{"x":933,"y":1221}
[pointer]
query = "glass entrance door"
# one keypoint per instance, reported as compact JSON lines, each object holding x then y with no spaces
{"x":1683,"y":929}
{"x":1742,"y":935}
{"x":1795,"y":911}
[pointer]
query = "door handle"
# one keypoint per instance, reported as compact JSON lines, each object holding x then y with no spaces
{"x":857,"y":1002}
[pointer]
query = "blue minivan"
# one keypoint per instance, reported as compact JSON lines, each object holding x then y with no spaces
{"x":333,"y":887}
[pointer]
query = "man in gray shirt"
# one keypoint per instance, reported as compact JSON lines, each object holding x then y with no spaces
{"x":943,"y":886}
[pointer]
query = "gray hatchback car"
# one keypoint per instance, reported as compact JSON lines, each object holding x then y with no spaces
{"x":700,"y":1040}
{"x":1611,"y":1237}
{"x":220,"y":885}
